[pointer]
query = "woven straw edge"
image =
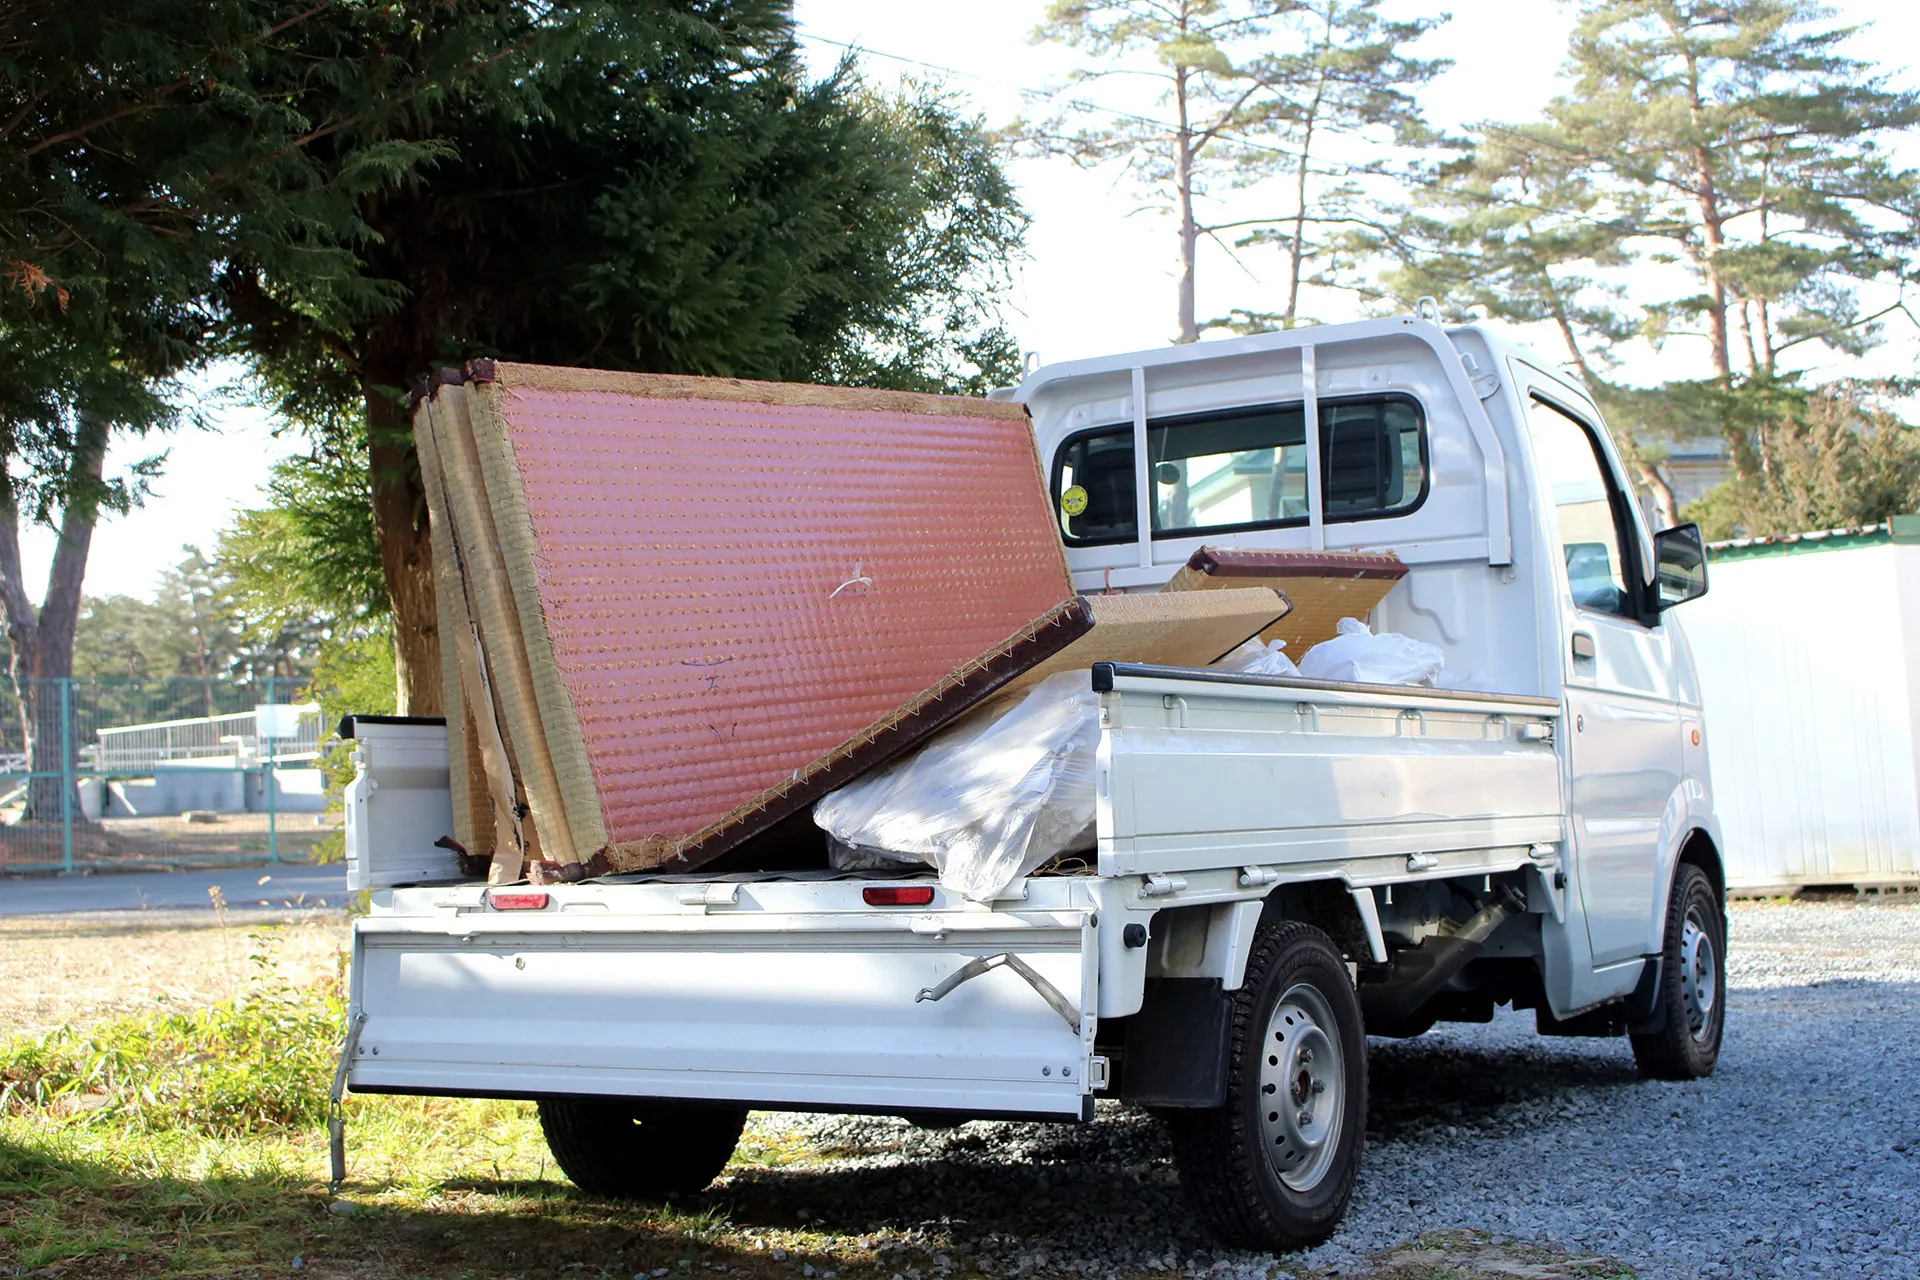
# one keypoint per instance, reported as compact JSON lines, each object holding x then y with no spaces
{"x":667,"y":386}
{"x":472,"y":810}
{"x":507,"y":659}
{"x":513,"y":527}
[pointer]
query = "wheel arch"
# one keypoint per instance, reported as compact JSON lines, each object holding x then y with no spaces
{"x":1698,"y":849}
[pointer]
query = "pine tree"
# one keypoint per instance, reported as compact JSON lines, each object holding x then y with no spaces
{"x":1304,"y":96}
{"x":1739,"y":135}
{"x":142,"y":144}
{"x":1727,"y":147}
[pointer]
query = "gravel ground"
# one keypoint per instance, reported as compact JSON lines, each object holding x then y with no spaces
{"x":1799,"y":1158}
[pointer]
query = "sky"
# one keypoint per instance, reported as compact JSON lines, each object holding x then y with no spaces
{"x":1098,"y":272}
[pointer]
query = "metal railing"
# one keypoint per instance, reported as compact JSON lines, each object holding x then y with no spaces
{"x":119,"y":773}
{"x":137,"y":748}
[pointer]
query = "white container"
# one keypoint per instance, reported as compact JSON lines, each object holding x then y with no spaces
{"x":400,"y":790}
{"x":1808,"y":652}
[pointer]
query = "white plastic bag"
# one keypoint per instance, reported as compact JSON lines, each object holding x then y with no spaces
{"x":994,"y":796}
{"x":986,"y":801}
{"x":1357,"y":656}
{"x":1256,"y":659}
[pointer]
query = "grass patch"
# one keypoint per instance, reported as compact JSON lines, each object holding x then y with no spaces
{"x":259,"y":1061}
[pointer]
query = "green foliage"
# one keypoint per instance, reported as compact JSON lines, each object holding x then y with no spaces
{"x":731,"y":219}
{"x":354,"y":676}
{"x":1837,"y":457}
{"x":196,"y":639}
{"x":1732,"y":140}
{"x":310,"y":553}
{"x":1717,"y":171}
{"x":262,"y":1060}
{"x":145,"y":143}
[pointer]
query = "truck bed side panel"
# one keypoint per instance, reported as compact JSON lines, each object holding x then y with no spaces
{"x":1197,"y":773}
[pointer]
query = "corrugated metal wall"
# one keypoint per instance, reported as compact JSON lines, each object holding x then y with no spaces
{"x":1806,"y":676}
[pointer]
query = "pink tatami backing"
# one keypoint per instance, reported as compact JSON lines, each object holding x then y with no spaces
{"x":735,"y":588}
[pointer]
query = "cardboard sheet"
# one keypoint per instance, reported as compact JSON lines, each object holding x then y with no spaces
{"x":1187,"y":629}
{"x":1323,"y":586}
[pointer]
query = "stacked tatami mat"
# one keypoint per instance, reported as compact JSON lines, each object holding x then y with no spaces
{"x":674,"y":611}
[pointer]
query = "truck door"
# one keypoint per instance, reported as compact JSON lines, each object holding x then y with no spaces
{"x":1622,"y":716}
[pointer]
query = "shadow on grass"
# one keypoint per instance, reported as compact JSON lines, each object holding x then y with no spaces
{"x":73,"y":1206}
{"x":83,"y":1215}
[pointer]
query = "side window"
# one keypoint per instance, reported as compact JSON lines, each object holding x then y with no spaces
{"x":1093,"y":486}
{"x":1244,"y":470}
{"x":1586,"y":509}
{"x":1229,"y":471}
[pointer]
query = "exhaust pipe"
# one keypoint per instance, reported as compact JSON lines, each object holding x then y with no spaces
{"x":1418,"y":972}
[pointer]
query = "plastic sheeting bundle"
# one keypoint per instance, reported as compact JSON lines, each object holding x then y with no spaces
{"x":997,"y":794}
{"x":1358,"y":656}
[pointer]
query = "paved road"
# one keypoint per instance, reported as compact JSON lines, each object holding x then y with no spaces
{"x":283,"y":886}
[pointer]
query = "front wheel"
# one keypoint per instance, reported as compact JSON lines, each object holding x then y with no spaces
{"x":1274,"y":1168}
{"x":628,"y":1149}
{"x":1684,"y":1041}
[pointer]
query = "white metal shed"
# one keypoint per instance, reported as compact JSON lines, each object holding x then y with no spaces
{"x":1808,"y":651}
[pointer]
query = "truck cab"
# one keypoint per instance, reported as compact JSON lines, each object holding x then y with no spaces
{"x":1284,"y":866}
{"x":1490,"y":473}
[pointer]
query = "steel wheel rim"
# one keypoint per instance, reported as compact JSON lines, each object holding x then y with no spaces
{"x":1303,"y":1094}
{"x":1699,"y":974}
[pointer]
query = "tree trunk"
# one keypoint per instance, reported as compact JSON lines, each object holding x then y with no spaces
{"x":1665,"y":505}
{"x":400,"y":530}
{"x":43,"y":640}
{"x":1183,"y":189}
{"x":1707,"y":194}
{"x":1298,"y":250}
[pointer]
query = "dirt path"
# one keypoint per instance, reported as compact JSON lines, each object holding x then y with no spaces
{"x":82,"y":969}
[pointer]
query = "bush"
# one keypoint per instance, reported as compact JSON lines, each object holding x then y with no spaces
{"x":262,"y":1060}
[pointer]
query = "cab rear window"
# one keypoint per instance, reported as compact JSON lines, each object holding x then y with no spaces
{"x":1244,"y":469}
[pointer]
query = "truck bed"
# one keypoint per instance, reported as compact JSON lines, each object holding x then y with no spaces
{"x":801,"y":991}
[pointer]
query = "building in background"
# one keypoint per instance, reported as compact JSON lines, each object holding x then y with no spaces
{"x":1808,"y":653}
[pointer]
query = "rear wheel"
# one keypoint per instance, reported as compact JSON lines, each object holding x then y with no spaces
{"x":1684,"y":1043}
{"x":627,"y":1149}
{"x":1274,"y":1168}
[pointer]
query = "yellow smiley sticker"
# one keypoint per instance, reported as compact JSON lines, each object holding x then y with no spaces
{"x":1074,"y":500}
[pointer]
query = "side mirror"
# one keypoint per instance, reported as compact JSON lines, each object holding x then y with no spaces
{"x":1680,"y":566}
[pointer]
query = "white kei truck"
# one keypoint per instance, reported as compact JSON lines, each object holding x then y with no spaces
{"x":1284,"y":866}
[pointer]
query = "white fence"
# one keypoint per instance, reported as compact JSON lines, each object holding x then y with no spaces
{"x":235,"y":739}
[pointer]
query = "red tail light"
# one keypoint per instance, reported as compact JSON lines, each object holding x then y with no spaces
{"x":914,"y":896}
{"x":517,"y":901}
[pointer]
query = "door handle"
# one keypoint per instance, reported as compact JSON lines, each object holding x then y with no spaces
{"x":1583,"y":649}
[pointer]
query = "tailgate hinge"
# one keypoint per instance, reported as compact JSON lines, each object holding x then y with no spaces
{"x":710,"y":896}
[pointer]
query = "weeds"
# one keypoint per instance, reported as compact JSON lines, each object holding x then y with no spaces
{"x":259,"y":1060}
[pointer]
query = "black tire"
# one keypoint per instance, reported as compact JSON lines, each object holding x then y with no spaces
{"x":1230,"y":1158}
{"x":1691,"y":1013}
{"x":627,"y":1149}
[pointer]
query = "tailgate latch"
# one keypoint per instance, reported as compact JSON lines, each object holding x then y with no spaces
{"x":987,"y":964}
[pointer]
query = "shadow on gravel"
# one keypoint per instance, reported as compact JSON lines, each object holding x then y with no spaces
{"x":1025,"y":1180}
{"x":1415,"y":1084}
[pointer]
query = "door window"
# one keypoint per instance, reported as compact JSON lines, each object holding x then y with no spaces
{"x":1244,"y":470}
{"x":1586,"y":509}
